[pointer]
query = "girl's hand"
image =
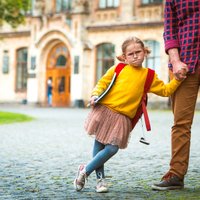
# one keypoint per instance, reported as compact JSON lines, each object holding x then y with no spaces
{"x":92,"y":100}
{"x":181,"y":74}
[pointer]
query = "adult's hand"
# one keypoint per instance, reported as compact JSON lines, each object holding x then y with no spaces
{"x":180,"y":70}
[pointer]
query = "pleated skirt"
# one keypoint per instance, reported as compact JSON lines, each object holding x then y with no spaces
{"x":108,"y":126}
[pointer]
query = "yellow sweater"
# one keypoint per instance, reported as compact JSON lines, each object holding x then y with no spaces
{"x":126,"y":93}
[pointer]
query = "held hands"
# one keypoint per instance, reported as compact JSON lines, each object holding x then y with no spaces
{"x":180,"y":70}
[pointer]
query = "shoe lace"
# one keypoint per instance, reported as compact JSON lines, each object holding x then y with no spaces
{"x":101,"y":183}
{"x":167,"y":176}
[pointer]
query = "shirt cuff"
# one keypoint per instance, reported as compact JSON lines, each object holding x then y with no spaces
{"x":171,"y":44}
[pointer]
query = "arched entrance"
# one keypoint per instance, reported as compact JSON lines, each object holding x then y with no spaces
{"x":58,"y":70}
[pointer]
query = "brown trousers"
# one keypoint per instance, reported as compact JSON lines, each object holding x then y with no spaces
{"x":183,"y":106}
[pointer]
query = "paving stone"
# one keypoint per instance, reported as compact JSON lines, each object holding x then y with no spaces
{"x":39,"y":159}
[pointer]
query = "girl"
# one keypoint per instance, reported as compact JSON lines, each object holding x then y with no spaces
{"x":109,"y":120}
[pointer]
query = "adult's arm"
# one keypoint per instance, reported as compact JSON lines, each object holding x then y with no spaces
{"x":171,"y":39}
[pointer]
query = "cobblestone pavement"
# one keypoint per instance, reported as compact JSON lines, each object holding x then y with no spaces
{"x":39,"y":159}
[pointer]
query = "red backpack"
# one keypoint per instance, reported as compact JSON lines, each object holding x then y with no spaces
{"x":142,"y":108}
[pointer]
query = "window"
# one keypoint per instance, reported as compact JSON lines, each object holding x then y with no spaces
{"x":63,"y":5}
{"x":108,"y":3}
{"x":32,"y":6}
{"x":5,"y":67}
{"x":61,"y":61}
{"x":105,"y":58}
{"x":61,"y":84}
{"x":76,"y":64}
{"x":33,"y":62}
{"x":68,"y":21}
{"x":58,"y":57}
{"x":153,"y":60}
{"x":21,"y":78}
{"x":151,"y":1}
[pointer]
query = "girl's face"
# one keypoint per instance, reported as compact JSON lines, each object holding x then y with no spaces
{"x":135,"y":54}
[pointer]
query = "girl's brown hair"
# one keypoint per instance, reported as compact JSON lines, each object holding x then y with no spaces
{"x":127,"y":42}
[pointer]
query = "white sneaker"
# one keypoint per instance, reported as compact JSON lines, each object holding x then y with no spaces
{"x":79,"y":182}
{"x":101,"y":186}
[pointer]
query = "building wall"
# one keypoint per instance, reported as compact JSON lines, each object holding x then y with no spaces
{"x":7,"y":81}
{"x":80,"y":30}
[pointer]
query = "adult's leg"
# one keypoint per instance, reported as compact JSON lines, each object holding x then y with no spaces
{"x":183,"y":105}
{"x":100,"y":158}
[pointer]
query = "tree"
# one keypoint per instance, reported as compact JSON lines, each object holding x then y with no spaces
{"x":13,"y":11}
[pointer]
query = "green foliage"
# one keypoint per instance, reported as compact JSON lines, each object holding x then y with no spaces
{"x":13,"y":11}
{"x":7,"y":118}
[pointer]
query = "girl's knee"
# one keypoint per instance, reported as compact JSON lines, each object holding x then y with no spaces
{"x":112,"y":149}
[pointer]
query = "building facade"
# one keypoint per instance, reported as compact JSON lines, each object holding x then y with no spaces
{"x":73,"y":43}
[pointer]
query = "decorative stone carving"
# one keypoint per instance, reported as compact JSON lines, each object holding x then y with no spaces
{"x":39,"y":7}
{"x":80,"y":6}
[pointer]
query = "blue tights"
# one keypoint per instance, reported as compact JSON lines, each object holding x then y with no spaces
{"x":101,"y":154}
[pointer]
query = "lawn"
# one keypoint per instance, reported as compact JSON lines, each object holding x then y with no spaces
{"x":8,"y":117}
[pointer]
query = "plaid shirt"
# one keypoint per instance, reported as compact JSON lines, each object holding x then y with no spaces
{"x":182,"y":30}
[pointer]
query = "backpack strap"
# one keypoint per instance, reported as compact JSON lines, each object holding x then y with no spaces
{"x":149,"y":80}
{"x":142,"y":108}
{"x":147,"y":86}
{"x":118,"y":69}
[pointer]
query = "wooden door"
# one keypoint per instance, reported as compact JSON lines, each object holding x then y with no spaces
{"x":58,"y":70}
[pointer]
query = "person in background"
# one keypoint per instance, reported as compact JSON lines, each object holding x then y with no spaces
{"x":110,"y":119}
{"x":182,"y":44}
{"x":49,"y":91}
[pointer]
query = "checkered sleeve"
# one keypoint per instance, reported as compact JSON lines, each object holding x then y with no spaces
{"x":170,"y":26}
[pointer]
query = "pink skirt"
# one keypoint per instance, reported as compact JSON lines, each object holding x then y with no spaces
{"x":109,"y":127}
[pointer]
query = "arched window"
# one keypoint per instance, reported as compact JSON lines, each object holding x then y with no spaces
{"x":58,"y":57}
{"x":108,"y":3}
{"x":153,"y":60}
{"x":21,"y":74}
{"x":63,"y":5}
{"x":105,"y":58}
{"x":61,"y":61}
